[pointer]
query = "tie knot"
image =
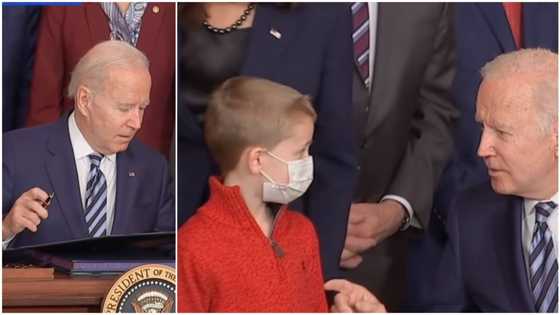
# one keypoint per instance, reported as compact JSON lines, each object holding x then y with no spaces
{"x":543,"y":210}
{"x":95,"y":158}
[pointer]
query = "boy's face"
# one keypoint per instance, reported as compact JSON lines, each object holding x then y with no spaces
{"x":295,"y":147}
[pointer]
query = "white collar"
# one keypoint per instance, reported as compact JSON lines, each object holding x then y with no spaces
{"x":531,"y":203}
{"x":80,"y":145}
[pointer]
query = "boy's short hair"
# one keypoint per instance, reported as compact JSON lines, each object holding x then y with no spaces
{"x":247,"y":111}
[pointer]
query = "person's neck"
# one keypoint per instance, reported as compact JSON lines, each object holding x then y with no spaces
{"x":225,"y":14}
{"x":253,"y":199}
{"x":85,"y":132}
{"x":123,"y":6}
{"x":546,"y":193}
{"x":551,"y":189}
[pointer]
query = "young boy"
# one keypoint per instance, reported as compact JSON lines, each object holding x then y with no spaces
{"x":244,"y":250}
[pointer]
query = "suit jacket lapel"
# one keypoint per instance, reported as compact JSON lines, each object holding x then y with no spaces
{"x":61,"y":169}
{"x":495,"y":16}
{"x":98,"y":22}
{"x":521,"y":277}
{"x":127,"y":184}
{"x":153,"y":22}
{"x":386,"y":46}
{"x":268,"y":21}
{"x":513,"y":260}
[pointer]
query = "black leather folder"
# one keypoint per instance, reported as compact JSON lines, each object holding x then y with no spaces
{"x":103,"y":255}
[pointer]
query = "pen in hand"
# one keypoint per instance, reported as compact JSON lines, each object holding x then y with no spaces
{"x":47,"y":202}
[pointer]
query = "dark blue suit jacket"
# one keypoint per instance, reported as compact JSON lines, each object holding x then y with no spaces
{"x":43,"y":157}
{"x":19,"y":38}
{"x":483,"y":33}
{"x":314,"y":56}
{"x":482,"y":267}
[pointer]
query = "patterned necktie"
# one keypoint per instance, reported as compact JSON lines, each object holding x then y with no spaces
{"x":543,"y":262}
{"x":96,"y":198}
{"x":360,"y":37}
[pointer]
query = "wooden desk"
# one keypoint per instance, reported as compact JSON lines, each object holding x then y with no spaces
{"x":64,"y":293}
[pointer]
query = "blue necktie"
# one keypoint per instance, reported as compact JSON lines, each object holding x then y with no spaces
{"x":96,"y":198}
{"x":360,"y":37}
{"x":543,"y":262}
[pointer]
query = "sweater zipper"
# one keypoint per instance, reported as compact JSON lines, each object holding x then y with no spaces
{"x":278,"y":251}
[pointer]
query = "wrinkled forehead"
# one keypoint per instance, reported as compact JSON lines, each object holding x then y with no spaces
{"x":126,"y":77}
{"x":508,"y":99}
{"x":126,"y":70}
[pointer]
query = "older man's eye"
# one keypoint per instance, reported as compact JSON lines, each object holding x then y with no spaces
{"x":124,"y":108}
{"x":502,"y":133}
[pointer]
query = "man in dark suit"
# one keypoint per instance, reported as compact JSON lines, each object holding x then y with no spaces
{"x":67,"y":32}
{"x":482,"y":31}
{"x":403,"y":119}
{"x":84,"y":175}
{"x":502,"y":249}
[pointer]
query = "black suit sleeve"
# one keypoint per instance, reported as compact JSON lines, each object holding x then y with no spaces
{"x":430,"y":143}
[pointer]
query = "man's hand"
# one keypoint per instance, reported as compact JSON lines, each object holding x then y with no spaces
{"x":352,"y":298}
{"x":349,"y":259}
{"x":368,"y":225}
{"x":26,"y":213}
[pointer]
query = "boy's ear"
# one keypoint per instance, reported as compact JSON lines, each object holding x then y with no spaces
{"x":254,"y":159}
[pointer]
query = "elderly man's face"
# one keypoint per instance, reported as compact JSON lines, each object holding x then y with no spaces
{"x":117,"y":111}
{"x":520,"y":158}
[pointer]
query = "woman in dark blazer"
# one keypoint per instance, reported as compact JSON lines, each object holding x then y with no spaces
{"x":67,"y":32}
{"x":305,"y":46}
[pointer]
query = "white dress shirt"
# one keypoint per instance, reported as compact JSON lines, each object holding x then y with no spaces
{"x":372,"y":9}
{"x":528,"y":226}
{"x":108,"y":167}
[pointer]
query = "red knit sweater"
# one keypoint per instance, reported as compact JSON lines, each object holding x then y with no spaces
{"x":227,"y":264}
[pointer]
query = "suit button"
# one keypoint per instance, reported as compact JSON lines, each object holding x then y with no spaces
{"x":358,"y":168}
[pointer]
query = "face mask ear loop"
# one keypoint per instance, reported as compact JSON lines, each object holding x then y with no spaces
{"x":267,"y":177}
{"x":277,"y":157}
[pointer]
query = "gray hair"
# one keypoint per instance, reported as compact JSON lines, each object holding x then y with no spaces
{"x":540,"y":67}
{"x":93,"y":67}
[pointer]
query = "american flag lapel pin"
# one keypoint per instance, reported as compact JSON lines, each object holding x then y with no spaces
{"x":274,"y":32}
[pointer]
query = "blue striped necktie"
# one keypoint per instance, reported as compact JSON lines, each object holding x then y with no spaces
{"x":543,"y":262}
{"x":96,"y":198}
{"x":360,"y":37}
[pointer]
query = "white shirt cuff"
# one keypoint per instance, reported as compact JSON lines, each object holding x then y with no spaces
{"x":413,"y":220}
{"x":7,"y":242}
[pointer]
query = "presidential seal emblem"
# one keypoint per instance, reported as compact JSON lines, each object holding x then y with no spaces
{"x":144,"y":289}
